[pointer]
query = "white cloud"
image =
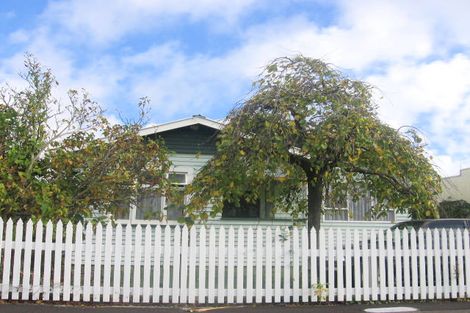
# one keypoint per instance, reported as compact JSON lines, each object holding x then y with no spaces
{"x":102,"y":21}
{"x":406,"y":48}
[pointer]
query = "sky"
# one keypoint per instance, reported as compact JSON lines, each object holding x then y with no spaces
{"x":200,"y":57}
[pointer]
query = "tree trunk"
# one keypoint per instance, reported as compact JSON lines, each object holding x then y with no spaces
{"x":315,"y":197}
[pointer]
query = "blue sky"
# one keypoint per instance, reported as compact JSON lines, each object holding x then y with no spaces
{"x":199,"y":57}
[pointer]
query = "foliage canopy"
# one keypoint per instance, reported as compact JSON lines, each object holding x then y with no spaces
{"x":68,"y":161}
{"x":308,"y":125}
{"x":454,"y":209}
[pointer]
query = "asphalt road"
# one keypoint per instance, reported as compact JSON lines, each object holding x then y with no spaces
{"x":435,"y":307}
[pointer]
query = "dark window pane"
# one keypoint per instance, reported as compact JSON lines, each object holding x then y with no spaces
{"x":149,"y":206}
{"x":174,"y":208}
{"x":243,"y":209}
{"x":177,"y":178}
{"x":122,"y":211}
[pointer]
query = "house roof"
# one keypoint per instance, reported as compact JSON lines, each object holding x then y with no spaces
{"x":194,"y":120}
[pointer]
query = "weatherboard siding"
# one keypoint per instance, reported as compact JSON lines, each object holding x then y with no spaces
{"x":196,"y":139}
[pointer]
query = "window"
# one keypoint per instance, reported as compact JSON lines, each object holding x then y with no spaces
{"x":174,"y":207}
{"x":243,"y":209}
{"x":261,"y":208}
{"x":361,"y":209}
{"x":151,"y":205}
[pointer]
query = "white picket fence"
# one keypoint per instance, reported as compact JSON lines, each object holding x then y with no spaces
{"x":235,"y":265}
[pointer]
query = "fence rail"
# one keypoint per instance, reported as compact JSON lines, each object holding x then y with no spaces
{"x":229,"y":265}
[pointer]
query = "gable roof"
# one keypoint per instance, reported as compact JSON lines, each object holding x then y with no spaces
{"x":194,"y":120}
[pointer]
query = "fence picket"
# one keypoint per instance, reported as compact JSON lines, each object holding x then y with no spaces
{"x":422,"y":264}
{"x":437,"y":262}
{"x":466,"y":243}
{"x":269,"y":266}
{"x":108,"y":252}
{"x":38,"y":246}
{"x":7,"y":260}
{"x":146,"y":289}
{"x":202,"y":266}
{"x":240,"y":264}
{"x":259,"y":265}
{"x":390,"y":266}
{"x":357,"y":266}
{"x":230,"y":265}
{"x":88,"y":257}
{"x":137,"y":261}
{"x":1,"y":246}
{"x":97,"y":264}
{"x":126,"y":283}
{"x":117,"y":264}
{"x":365,"y":266}
{"x":277,"y":265}
{"x":47,"y":262}
{"x":221,"y":266}
{"x":398,"y":264}
{"x":445,"y":264}
{"x":15,"y":282}
{"x":313,"y":264}
{"x":331,"y":266}
{"x":57,"y":261}
{"x":352,"y":257}
{"x":184,"y":265}
{"x":67,"y":262}
{"x":27,"y":260}
{"x":295,"y":265}
{"x":287,"y":266}
{"x":249,"y":266}
{"x":77,"y":269}
{"x":211,"y":274}
{"x":414,"y":265}
{"x":175,"y":296}
{"x":166,"y":265}
{"x":136,"y":291}
{"x":192,"y":265}
{"x":382,"y":267}
{"x":460,"y":265}
{"x":430,"y":264}
{"x":453,"y":265}
{"x":322,"y":284}
{"x":339,"y":266}
{"x":157,"y":251}
{"x":304,"y":251}
{"x":373,"y":266}
{"x":406,"y":265}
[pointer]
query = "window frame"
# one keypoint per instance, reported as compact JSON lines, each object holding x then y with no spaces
{"x":189,"y":174}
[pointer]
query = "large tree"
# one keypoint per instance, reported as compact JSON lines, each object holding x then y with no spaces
{"x":65,"y":160}
{"x":308,"y":126}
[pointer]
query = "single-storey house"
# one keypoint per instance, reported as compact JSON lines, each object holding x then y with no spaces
{"x":457,"y":187}
{"x":192,"y":142}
